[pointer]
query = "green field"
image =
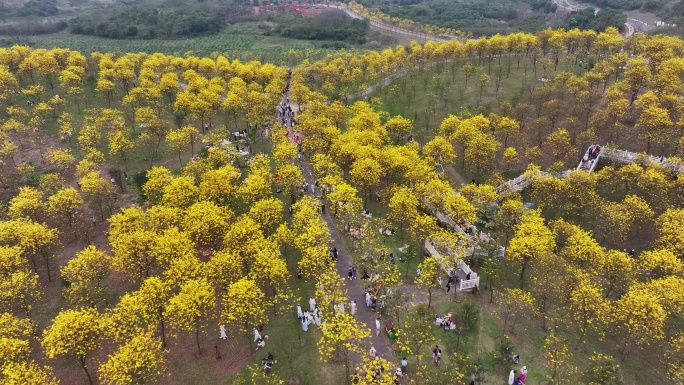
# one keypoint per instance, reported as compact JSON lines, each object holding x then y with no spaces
{"x":235,"y":45}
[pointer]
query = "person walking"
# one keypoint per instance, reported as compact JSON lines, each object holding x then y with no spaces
{"x":523,"y":374}
{"x":317,"y":317}
{"x":404,"y":366}
{"x":312,"y":304}
{"x":350,"y":273}
{"x":377,"y":326}
{"x":353,"y":308}
{"x":222,"y":330}
{"x":511,"y":377}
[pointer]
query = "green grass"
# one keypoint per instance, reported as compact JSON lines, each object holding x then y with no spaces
{"x":431,"y":93}
{"x":242,"y":45}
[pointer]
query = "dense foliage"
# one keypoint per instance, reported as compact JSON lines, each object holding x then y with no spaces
{"x":598,"y":21}
{"x":330,"y":25}
{"x":146,"y":22}
{"x":40,"y":8}
{"x":475,"y":16}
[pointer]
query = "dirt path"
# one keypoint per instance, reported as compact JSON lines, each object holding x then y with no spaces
{"x":457,"y":178}
{"x":353,"y":287}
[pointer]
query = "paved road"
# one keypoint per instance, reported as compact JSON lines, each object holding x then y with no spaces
{"x":353,"y":287}
{"x":391,"y":28}
{"x":633,"y":25}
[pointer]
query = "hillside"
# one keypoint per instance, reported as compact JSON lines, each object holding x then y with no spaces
{"x":333,"y":216}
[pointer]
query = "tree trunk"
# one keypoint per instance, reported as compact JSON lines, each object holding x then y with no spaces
{"x":33,"y":262}
{"x":83,"y":364}
{"x":526,"y":260}
{"x":47,"y":265}
{"x":491,"y":293}
{"x":163,"y":331}
{"x":197,"y":337}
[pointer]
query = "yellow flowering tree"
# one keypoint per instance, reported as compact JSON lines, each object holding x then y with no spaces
{"x":140,"y":310}
{"x":181,"y":192}
{"x":27,"y":204}
{"x":403,"y":206}
{"x":588,"y":309}
{"x":63,"y":205}
{"x":206,"y":223}
{"x":660,"y":263}
{"x":558,"y":359}
{"x":20,"y":288}
{"x":139,"y":361}
{"x":14,"y":339}
{"x":512,"y":306}
{"x":342,"y":335}
{"x":98,"y":192}
{"x":376,"y":372}
{"x":638,"y":319}
{"x":670,"y":226}
{"x":133,"y":253}
{"x":416,"y":332}
{"x":85,"y":273}
{"x":428,"y":277}
{"x":532,"y":240}
{"x":21,"y":373}
{"x":157,"y":179}
{"x":267,"y":213}
{"x":191,"y":308}
{"x":243,"y":306}
{"x":74,"y":332}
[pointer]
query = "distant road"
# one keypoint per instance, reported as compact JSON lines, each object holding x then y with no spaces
{"x":633,"y":25}
{"x":567,"y":6}
{"x":390,"y":28}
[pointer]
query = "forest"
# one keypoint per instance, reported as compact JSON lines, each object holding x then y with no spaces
{"x":598,"y":21}
{"x":201,"y":219}
{"x":147,"y":22}
{"x":330,"y":25}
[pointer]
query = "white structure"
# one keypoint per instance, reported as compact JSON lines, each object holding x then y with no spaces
{"x":465,"y":284}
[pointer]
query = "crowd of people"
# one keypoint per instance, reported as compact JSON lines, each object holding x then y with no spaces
{"x":447,"y":322}
{"x":517,"y":379}
{"x":312,"y":315}
{"x":590,"y":157}
{"x":356,"y":232}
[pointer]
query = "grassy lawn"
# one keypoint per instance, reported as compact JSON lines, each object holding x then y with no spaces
{"x":242,"y":41}
{"x":429,"y":94}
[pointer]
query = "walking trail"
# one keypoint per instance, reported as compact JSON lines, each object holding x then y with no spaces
{"x":356,"y":292}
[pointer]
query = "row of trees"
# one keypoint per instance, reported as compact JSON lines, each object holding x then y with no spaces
{"x":353,"y":152}
{"x":205,"y":249}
